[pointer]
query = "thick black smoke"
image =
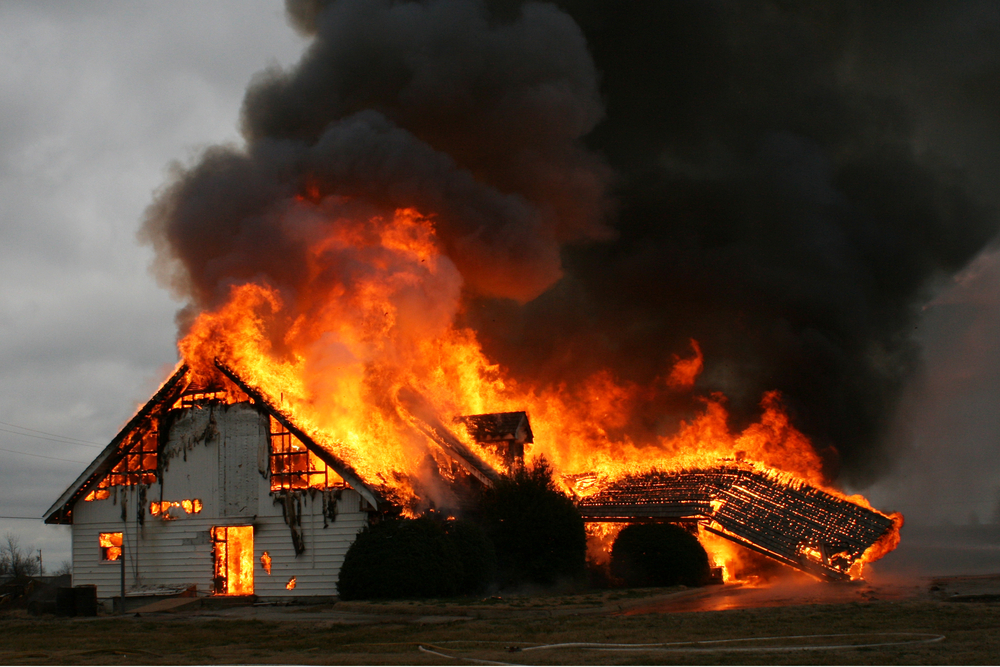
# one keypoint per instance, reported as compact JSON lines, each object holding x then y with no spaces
{"x":787,"y":182}
{"x":790,"y":187}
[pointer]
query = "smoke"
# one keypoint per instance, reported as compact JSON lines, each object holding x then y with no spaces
{"x":784,"y":183}
{"x":425,"y":105}
{"x":793,"y":182}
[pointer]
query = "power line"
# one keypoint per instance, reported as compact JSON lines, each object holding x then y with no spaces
{"x":30,"y":518}
{"x":61,"y":438}
{"x":40,"y":456}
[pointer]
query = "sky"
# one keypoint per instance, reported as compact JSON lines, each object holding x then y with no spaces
{"x":98,"y":99}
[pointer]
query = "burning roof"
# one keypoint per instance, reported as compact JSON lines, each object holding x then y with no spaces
{"x":174,"y":390}
{"x":782,"y":518}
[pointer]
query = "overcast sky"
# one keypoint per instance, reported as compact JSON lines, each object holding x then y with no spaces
{"x":98,"y":98}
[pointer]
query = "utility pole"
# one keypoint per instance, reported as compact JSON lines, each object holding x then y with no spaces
{"x":41,"y":570}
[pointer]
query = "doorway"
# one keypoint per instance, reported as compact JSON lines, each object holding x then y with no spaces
{"x":233,"y":553}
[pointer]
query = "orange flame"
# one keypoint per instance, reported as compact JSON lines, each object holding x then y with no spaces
{"x":376,"y":313}
{"x":686,"y":371}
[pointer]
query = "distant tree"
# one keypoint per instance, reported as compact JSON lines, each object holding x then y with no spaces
{"x":15,"y":561}
{"x":655,"y":554}
{"x":66,"y":567}
{"x":536,"y":529}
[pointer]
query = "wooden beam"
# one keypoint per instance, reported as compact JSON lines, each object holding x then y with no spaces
{"x":342,"y":468}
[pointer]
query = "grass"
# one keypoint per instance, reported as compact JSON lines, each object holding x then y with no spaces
{"x":390,"y":633}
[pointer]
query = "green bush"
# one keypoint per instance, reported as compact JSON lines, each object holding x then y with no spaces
{"x":656,"y":554}
{"x":417,"y":558}
{"x":536,"y":529}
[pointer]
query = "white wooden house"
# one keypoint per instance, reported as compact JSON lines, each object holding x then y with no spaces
{"x":213,"y":488}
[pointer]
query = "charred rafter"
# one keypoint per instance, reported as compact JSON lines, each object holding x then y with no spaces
{"x":417,"y":412}
{"x":61,"y":511}
{"x":340,"y":467}
{"x":789,"y":521}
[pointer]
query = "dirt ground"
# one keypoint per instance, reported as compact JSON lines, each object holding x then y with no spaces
{"x":954,"y":620}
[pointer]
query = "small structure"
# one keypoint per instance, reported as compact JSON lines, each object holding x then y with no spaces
{"x":506,"y":433}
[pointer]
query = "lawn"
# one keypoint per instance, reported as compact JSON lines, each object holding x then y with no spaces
{"x":509,"y":631}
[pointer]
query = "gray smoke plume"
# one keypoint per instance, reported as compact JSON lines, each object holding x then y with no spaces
{"x":784,"y":182}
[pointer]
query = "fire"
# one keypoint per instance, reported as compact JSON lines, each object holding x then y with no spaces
{"x":162,"y":508}
{"x":686,"y":371}
{"x":291,"y":584}
{"x":111,"y":545}
{"x":265,"y":562}
{"x":233,"y":560}
{"x":375,"y":314}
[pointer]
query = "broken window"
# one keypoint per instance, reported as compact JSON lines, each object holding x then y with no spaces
{"x":162,"y":508}
{"x":111,"y":546}
{"x":295,"y":467}
{"x":233,"y":555}
{"x":136,"y":466}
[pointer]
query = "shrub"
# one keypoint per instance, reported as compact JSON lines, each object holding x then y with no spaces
{"x":536,"y":529}
{"x":477,"y":556}
{"x":655,"y":554}
{"x":416,"y":558}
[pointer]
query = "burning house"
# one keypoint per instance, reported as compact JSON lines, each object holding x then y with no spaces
{"x":201,"y":488}
{"x":213,"y":488}
{"x":381,"y":269}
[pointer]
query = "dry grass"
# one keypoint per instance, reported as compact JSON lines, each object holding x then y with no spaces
{"x":390,"y":633}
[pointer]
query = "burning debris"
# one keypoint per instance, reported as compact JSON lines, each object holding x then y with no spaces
{"x":773,"y":514}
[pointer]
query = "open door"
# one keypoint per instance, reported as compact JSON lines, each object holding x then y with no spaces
{"x":233,"y":560}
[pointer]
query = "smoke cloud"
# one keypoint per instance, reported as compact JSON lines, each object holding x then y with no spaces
{"x":780,"y":182}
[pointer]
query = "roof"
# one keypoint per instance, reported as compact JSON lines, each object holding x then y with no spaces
{"x":169,"y":391}
{"x":496,"y":426}
{"x":791,"y":522}
{"x":420,"y":415}
{"x":164,"y":398}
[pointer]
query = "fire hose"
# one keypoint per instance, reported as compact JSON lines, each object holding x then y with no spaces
{"x":723,"y":645}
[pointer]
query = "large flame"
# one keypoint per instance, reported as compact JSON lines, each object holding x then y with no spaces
{"x":376,"y":313}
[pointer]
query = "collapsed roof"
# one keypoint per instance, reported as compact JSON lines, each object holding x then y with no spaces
{"x":788,"y":521}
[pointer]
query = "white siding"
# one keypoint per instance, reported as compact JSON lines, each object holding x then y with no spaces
{"x":212,"y":454}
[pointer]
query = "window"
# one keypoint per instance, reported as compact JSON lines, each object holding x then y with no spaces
{"x":137,"y":466}
{"x":111,"y":546}
{"x":295,"y":467}
{"x":163,"y":508}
